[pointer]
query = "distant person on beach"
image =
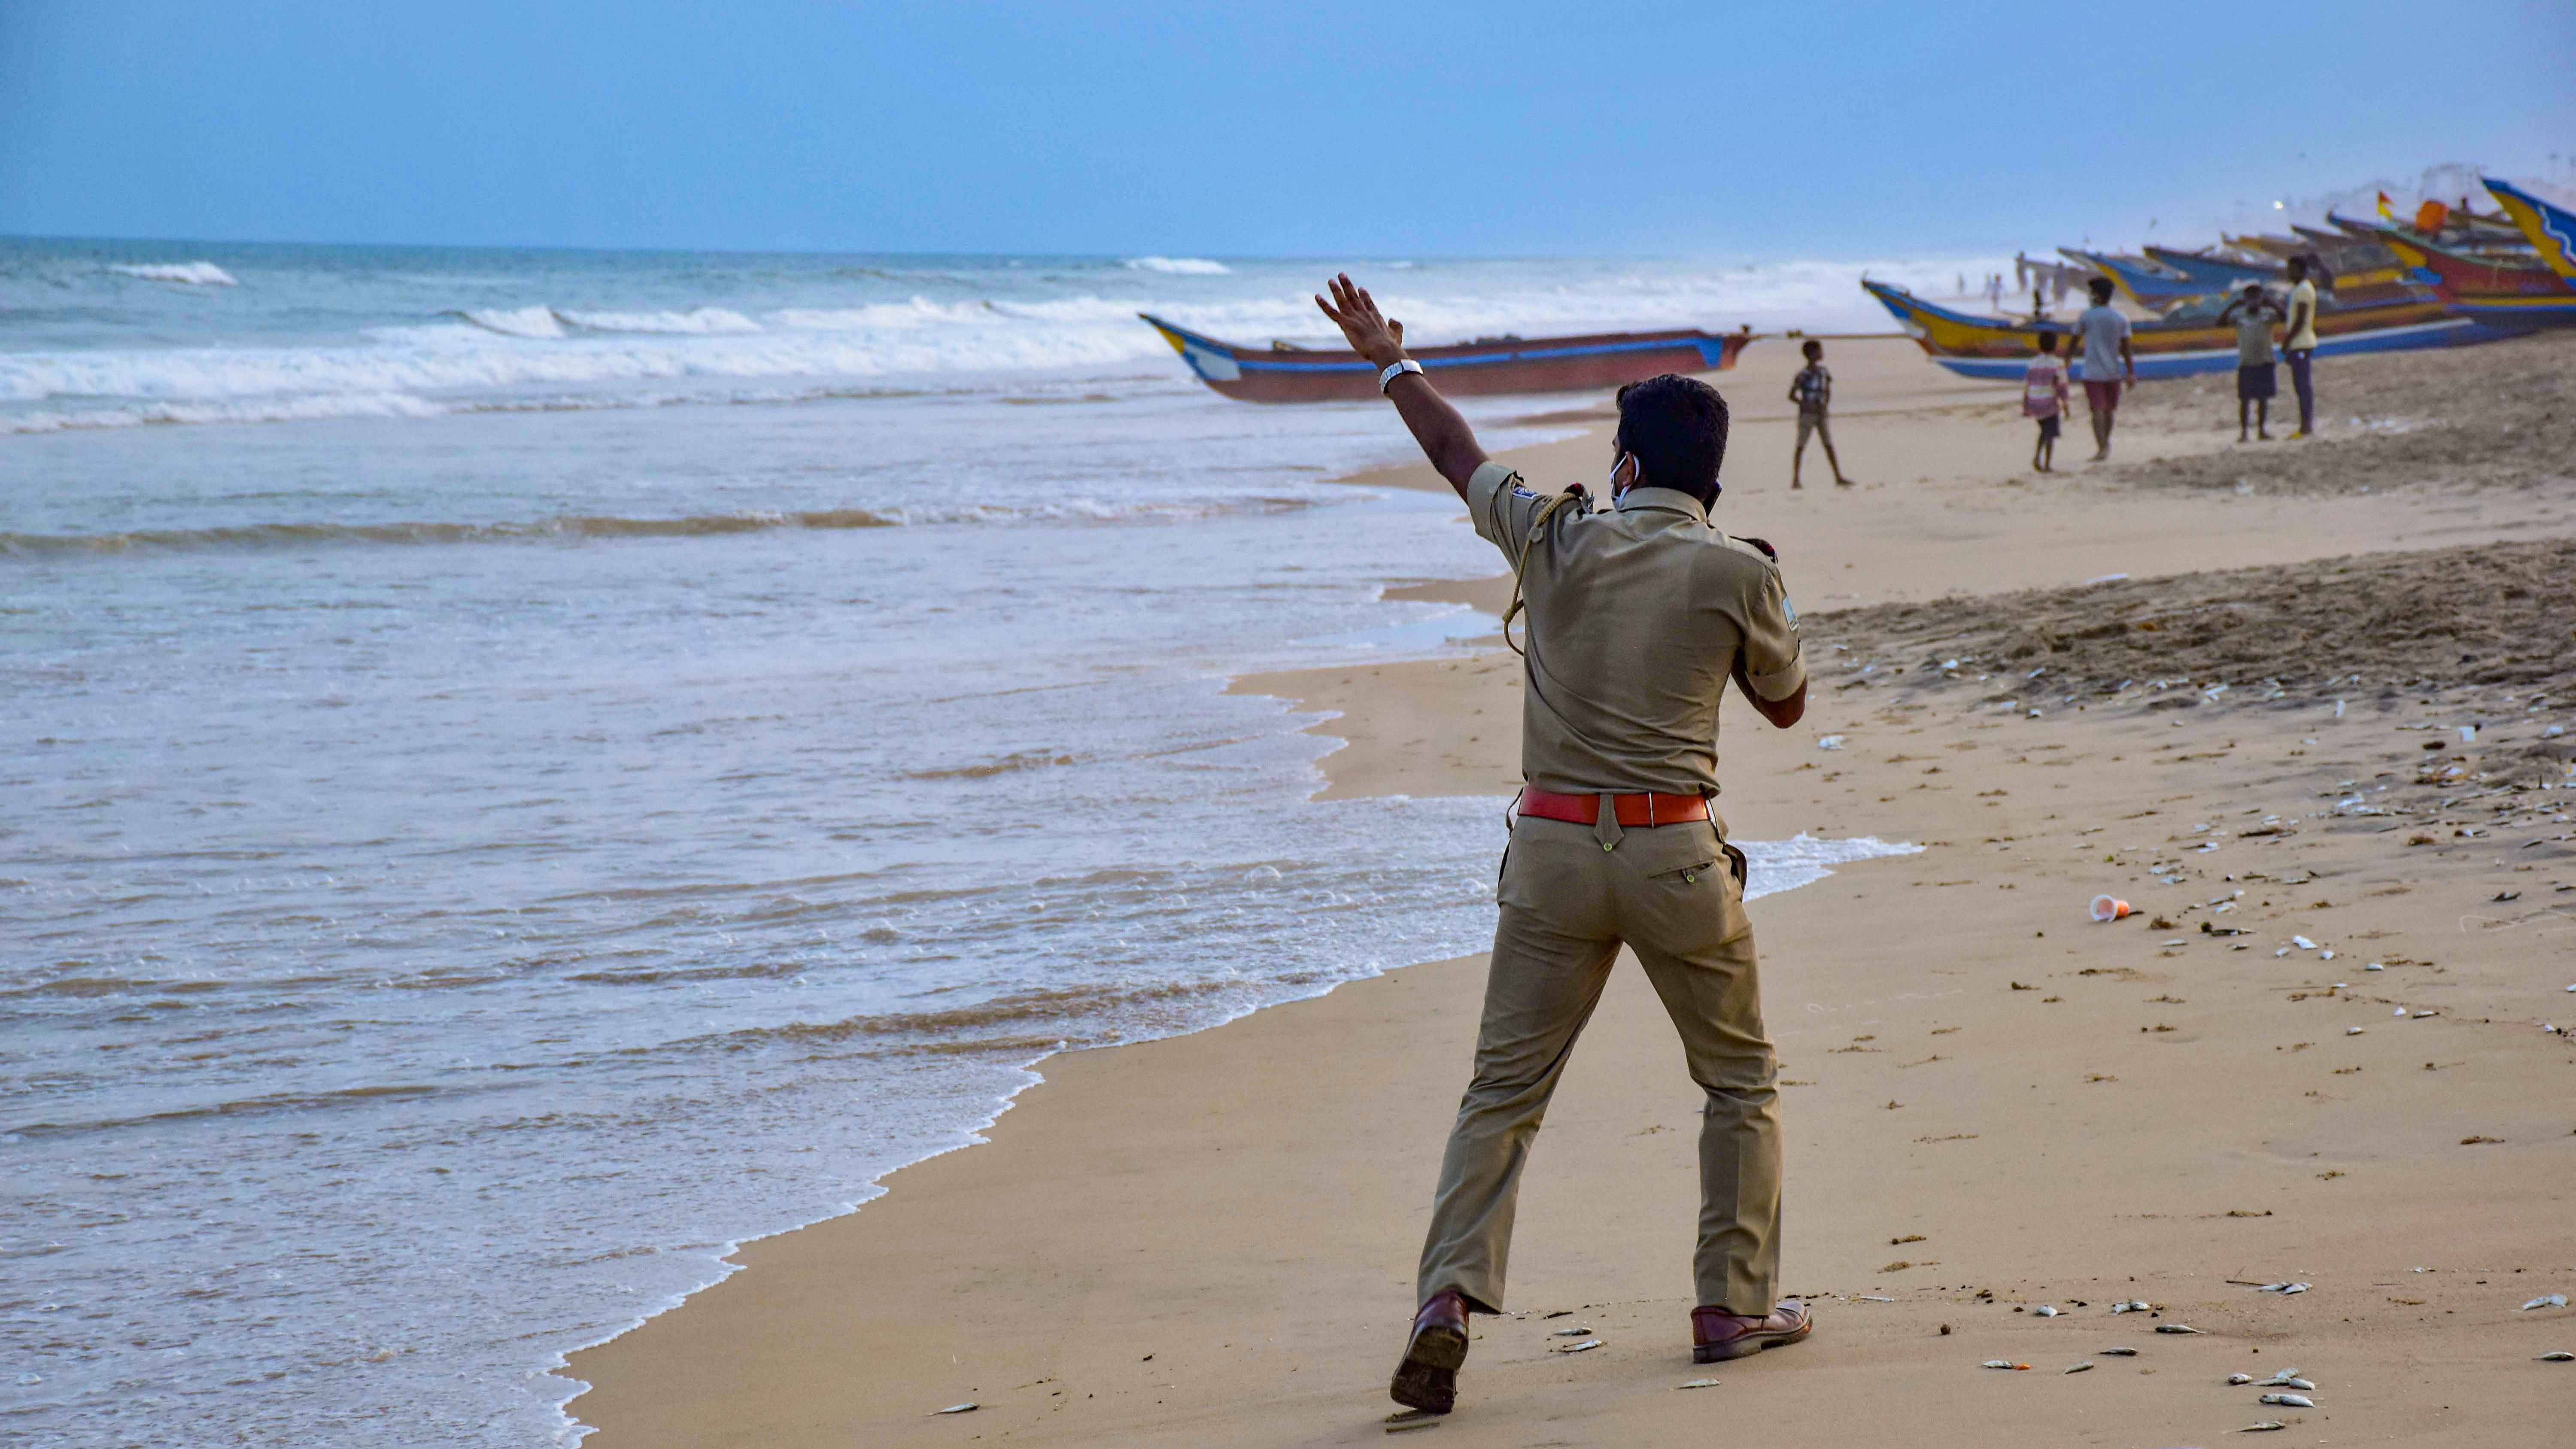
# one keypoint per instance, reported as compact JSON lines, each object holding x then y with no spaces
{"x":2102,"y":340}
{"x":2043,"y":396}
{"x":2299,"y":343}
{"x":1639,"y":613}
{"x":1813,"y":391}
{"x":2252,"y":314}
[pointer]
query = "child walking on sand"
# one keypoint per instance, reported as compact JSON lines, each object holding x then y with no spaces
{"x":2043,"y":396}
{"x":1813,"y":391}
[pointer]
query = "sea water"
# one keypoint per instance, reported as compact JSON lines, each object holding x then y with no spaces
{"x":525,"y":769}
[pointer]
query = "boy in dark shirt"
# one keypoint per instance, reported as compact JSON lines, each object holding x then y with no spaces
{"x":1813,"y":391}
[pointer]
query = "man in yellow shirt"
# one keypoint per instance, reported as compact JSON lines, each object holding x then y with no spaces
{"x":2299,"y":345}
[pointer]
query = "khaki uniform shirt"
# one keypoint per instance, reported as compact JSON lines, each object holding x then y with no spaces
{"x":1638,"y":616}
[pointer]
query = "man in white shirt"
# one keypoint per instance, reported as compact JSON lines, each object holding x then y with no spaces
{"x":2299,"y":343}
{"x":2102,"y":347}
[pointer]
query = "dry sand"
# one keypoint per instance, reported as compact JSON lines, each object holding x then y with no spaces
{"x":1209,"y":1240}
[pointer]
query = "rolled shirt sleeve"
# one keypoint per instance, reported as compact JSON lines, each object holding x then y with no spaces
{"x":1502,"y":507}
{"x":1772,"y":660}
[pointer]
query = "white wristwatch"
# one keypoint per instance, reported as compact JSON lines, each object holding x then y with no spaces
{"x":1394,"y":370}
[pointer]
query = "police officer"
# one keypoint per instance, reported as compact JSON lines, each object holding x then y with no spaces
{"x":1638,"y":615}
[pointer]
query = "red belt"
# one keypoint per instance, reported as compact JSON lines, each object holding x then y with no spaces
{"x":1628,"y":810}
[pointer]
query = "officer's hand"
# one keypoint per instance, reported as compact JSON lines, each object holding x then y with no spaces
{"x":1369,"y":333}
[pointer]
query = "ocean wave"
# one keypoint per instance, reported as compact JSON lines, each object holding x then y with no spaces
{"x":271,"y":410}
{"x":196,"y":274}
{"x":697,"y":322}
{"x":584,"y":526}
{"x":1181,"y":266}
{"x":533,"y":323}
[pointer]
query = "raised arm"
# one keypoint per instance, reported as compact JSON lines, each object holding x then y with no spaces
{"x":1444,"y":435}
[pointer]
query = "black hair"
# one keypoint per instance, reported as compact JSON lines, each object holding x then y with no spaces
{"x":1812,"y":348}
{"x":2048,"y":342}
{"x":2101,"y":287}
{"x":2298,"y":268}
{"x":1677,"y":428}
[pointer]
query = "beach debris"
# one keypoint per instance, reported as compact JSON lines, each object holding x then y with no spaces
{"x":1698,"y":1384}
{"x":2121,"y":1352}
{"x":2401,"y":1011}
{"x":1410,"y":1420}
{"x":2175,"y":1328}
{"x":2134,"y":1305}
{"x":1571,"y":1333}
{"x":2004,"y":1363}
{"x":2374,"y":966}
{"x":2555,"y":1356}
{"x":2289,"y":1401}
{"x":2076,"y":1368}
{"x":2468,"y":734}
{"x":2548,"y":1300}
{"x":2238,"y":1381}
{"x":1829,"y":742}
{"x":2286,"y":1379}
{"x":1873,"y":1298}
{"x":2044,"y":1311}
{"x":2506,"y":896}
{"x":2303,"y":943}
{"x":1558,"y":1313}
{"x":2284,"y":1288}
{"x":968,"y":1407}
{"x":2110,"y":908}
{"x":1586,"y":1346}
{"x":2352,"y":1031}
{"x":2265,"y":1427}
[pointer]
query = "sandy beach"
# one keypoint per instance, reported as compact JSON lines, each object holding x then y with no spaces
{"x":2315,"y":1053}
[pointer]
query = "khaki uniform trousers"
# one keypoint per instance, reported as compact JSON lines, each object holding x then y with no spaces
{"x":1674,"y":895}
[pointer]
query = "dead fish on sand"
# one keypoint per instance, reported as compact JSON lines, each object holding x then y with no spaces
{"x":2238,"y":1381}
{"x":1410,"y":1420}
{"x":1571,"y":1333}
{"x":2044,"y":1311}
{"x":1698,"y":1384}
{"x":2556,"y":1356}
{"x":2134,"y":1305}
{"x":2290,"y":1401}
{"x":1583,"y":1347}
{"x":2547,"y":1300}
{"x":2003,"y":1363}
{"x":2076,"y":1368}
{"x":2265,"y":1427}
{"x":2121,"y":1352}
{"x":2175,"y":1328}
{"x":2286,"y":1379}
{"x":2284,"y":1288}
{"x":966,"y":1408}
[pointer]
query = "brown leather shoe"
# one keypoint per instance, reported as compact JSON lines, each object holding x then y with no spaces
{"x":1717,"y":1335}
{"x":1428,"y":1377}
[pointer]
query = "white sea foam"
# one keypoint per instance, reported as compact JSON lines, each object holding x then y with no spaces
{"x":198,"y":274}
{"x":305,"y":408}
{"x":530,"y":322}
{"x":698,"y":321}
{"x":1181,"y":266}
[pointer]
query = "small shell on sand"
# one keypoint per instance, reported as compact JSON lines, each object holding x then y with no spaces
{"x":2290,"y":1401}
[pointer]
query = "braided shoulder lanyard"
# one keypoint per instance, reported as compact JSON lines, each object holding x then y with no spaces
{"x":1520,"y":568}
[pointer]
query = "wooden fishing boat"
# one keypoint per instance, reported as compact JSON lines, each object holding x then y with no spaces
{"x":2221,"y":273}
{"x":2501,"y":292}
{"x":2145,"y":283}
{"x":1282,"y":373}
{"x":1998,"y":348}
{"x":2550,"y":228}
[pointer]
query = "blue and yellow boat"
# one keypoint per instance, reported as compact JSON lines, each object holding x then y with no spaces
{"x":1999,"y":348}
{"x":2551,"y":229}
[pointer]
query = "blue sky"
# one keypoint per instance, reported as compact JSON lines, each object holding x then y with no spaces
{"x":1414,"y":127}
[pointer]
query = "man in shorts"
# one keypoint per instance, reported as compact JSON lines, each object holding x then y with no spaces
{"x":2253,"y":314}
{"x":1813,"y":391}
{"x":2102,"y":349}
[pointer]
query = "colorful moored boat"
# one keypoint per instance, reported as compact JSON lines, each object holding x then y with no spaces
{"x":2508,"y":293}
{"x":1281,"y":373}
{"x":1999,"y":348}
{"x":2551,"y":229}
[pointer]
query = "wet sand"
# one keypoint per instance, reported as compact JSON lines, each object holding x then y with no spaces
{"x":1209,"y":1240}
